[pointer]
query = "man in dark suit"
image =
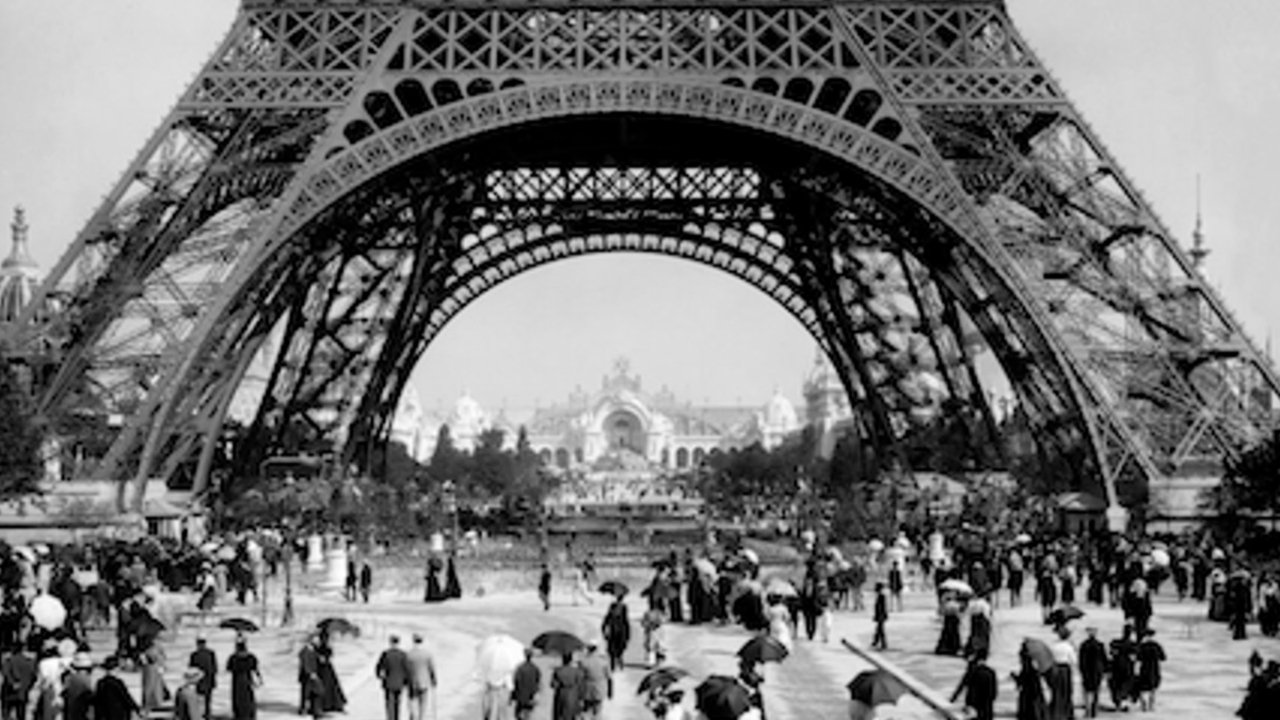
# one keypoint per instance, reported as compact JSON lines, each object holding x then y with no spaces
{"x":366,"y":581}
{"x":394,"y":672}
{"x":979,"y":687}
{"x":880,"y":615}
{"x":1093,"y":666}
{"x":77,"y":689}
{"x":206,"y":661}
{"x":111,"y":699}
{"x":526,"y":685}
{"x":309,"y":679}
{"x":19,"y":674}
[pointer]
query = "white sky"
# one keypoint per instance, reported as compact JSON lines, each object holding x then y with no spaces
{"x":1174,"y":88}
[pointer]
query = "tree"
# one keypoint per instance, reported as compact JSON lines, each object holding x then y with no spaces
{"x":448,"y":463}
{"x":21,"y":438}
{"x":1251,"y":485}
{"x":492,"y":469}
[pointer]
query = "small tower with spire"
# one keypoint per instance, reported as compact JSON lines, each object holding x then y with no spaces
{"x":1198,"y":250}
{"x":19,"y":274}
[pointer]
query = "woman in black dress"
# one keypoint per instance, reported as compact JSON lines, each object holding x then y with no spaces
{"x":332,"y":699}
{"x":949,"y":640}
{"x":245,"y":678}
{"x":1031,"y":704}
{"x":1150,"y":655}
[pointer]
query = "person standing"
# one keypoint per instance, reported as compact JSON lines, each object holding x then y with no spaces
{"x":422,"y":678}
{"x":979,"y":687}
{"x":1059,"y":677}
{"x":366,"y":581}
{"x":1031,"y":705}
{"x":544,"y":587}
{"x":154,"y":692}
{"x":19,"y":675}
{"x":569,"y":683}
{"x":1150,"y":656}
{"x":111,"y":699}
{"x":1120,"y":664}
{"x":452,"y":587}
{"x":616,"y":629}
{"x":598,"y":681}
{"x":309,"y":679}
{"x":1093,"y":667}
{"x":77,"y":689}
{"x":525,"y":685}
{"x":393,"y":671}
{"x":207,"y":661}
{"x":880,"y":615}
{"x":188,"y":704}
{"x":949,"y":638}
{"x":353,"y":578}
{"x":245,"y":678}
{"x":979,"y":629}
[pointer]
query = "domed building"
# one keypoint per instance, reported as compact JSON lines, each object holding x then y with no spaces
{"x":19,"y":273}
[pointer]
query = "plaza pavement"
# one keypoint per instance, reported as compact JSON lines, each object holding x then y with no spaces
{"x":1203,"y":679}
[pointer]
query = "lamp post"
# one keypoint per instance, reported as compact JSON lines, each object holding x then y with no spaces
{"x":449,"y":498}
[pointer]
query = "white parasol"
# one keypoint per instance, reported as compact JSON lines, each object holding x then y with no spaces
{"x":1160,"y":557}
{"x":497,"y":659}
{"x":48,"y":612}
{"x":751,"y":556}
{"x":875,"y":545}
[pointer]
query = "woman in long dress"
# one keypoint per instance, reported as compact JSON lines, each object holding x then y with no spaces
{"x":568,"y":681}
{"x":1030,"y":692}
{"x":1059,"y":677}
{"x":154,"y":692}
{"x":949,"y":640}
{"x":49,"y":672}
{"x":1150,"y":655}
{"x":245,"y":677}
{"x":779,"y":621}
{"x":332,"y":699}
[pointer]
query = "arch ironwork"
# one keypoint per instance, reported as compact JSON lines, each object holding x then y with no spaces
{"x":930,"y":128}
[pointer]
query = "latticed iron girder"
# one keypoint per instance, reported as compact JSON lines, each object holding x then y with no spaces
{"x":1061,"y":264}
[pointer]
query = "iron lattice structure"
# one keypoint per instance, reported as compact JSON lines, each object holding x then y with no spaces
{"x":902,"y":176}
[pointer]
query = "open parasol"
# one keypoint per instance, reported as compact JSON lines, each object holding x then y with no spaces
{"x":781,"y":588}
{"x":558,"y":642}
{"x":338,"y":626}
{"x":705,"y":566}
{"x":956,"y":585}
{"x":48,"y":612}
{"x":1063,"y":614}
{"x":761,"y":649}
{"x":722,"y":698}
{"x":1040,"y":655}
{"x":497,"y":658}
{"x":614,"y":587}
{"x":239,"y":624}
{"x":876,"y":687}
{"x":661,"y":679}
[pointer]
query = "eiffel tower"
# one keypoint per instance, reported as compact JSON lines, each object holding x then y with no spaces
{"x":904,"y":177}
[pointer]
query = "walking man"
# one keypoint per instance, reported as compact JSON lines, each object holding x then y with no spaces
{"x":366,"y":581}
{"x":979,"y":687}
{"x":207,"y":662}
{"x":599,"y":681}
{"x":422,"y":678}
{"x":309,"y":679}
{"x":880,"y":615}
{"x":19,"y":675}
{"x":1093,"y":666}
{"x":393,"y":670}
{"x":525,"y":686}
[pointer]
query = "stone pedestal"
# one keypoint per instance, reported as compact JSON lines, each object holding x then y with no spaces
{"x":335,"y":561}
{"x":315,"y":553}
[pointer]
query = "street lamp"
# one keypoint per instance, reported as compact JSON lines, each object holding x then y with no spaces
{"x":449,"y":498}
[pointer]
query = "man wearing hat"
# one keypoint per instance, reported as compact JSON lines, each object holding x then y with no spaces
{"x":77,"y":689}
{"x":394,"y":672}
{"x":207,"y":661}
{"x":19,"y":675}
{"x":187,"y":704}
{"x":111,"y":699}
{"x":599,"y":685}
{"x":525,"y":686}
{"x":422,"y":678}
{"x":1093,"y":666}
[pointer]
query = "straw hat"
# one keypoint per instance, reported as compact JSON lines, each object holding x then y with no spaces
{"x":192,"y":675}
{"x":82,"y":661}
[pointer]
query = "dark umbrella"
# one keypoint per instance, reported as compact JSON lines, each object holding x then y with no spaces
{"x":660,"y":678}
{"x":1039,"y":653}
{"x":613,"y":587}
{"x":1063,"y":614}
{"x":557,"y":642}
{"x":239,"y":625}
{"x":722,"y":698}
{"x":876,"y":687}
{"x":146,"y":626}
{"x":338,"y":626}
{"x":762,"y":648}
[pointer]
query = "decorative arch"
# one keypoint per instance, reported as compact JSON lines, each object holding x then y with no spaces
{"x":969,"y":271}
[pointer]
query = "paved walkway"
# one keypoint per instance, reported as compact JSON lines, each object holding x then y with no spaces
{"x":1204,"y":677}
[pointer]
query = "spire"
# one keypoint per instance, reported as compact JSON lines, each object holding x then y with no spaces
{"x":1198,"y":250}
{"x":19,"y":254}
